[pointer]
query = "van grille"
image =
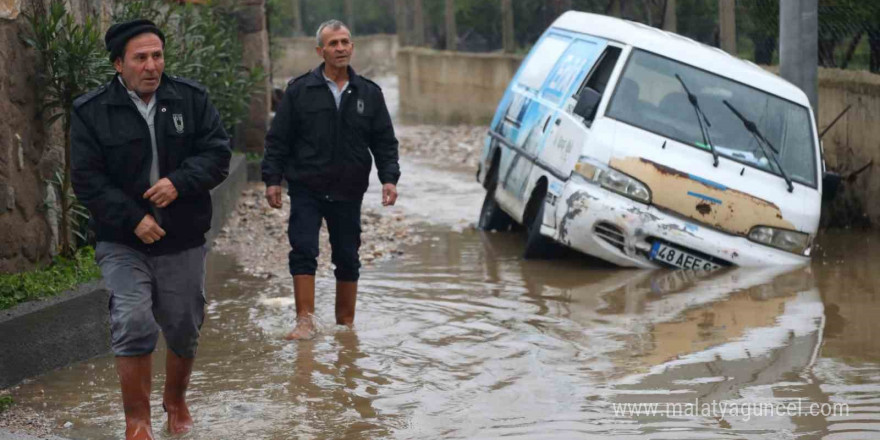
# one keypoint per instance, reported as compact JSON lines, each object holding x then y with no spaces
{"x":610,"y":233}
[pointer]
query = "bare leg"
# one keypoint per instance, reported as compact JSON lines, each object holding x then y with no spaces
{"x":304,"y":295}
{"x":177,"y":374}
{"x":346,"y":299}
{"x":135,"y":375}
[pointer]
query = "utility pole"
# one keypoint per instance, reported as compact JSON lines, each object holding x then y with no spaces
{"x":507,"y":26}
{"x":727,"y":25}
{"x":799,"y":46}
{"x":297,"y":18}
{"x":349,"y":15}
{"x":451,"y":31}
{"x":419,"y":24}
{"x":670,"y":19}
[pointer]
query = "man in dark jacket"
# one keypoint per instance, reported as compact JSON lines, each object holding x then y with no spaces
{"x":146,"y":150}
{"x":329,"y":122}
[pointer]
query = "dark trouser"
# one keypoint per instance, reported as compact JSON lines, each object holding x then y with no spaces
{"x":343,"y":223}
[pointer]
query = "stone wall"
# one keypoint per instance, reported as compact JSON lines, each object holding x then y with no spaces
{"x":255,"y":40}
{"x":452,"y":87}
{"x":294,"y":56}
{"x":26,"y":160}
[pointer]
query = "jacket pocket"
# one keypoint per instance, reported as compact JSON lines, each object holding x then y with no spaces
{"x":126,"y":154}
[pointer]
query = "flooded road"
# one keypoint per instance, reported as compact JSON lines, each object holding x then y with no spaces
{"x":461,"y":338}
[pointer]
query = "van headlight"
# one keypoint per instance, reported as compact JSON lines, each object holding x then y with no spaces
{"x":615,"y":181}
{"x":791,"y":241}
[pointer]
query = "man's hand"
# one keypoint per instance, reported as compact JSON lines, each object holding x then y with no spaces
{"x":389,"y":194}
{"x":273,"y":196}
{"x":148,"y":230}
{"x":162,"y":193}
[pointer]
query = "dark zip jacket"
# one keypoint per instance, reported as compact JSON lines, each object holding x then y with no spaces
{"x":111,"y":153}
{"x":326,"y":150}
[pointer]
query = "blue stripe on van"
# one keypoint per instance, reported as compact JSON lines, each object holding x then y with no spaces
{"x":708,"y":182}
{"x":704,"y":197}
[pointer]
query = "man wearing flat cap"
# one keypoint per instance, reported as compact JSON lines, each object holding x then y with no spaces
{"x":146,"y":150}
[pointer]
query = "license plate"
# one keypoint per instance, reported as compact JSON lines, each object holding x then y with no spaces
{"x":679,"y":258}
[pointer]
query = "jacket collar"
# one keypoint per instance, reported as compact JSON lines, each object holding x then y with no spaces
{"x":118,"y":95}
{"x":316,"y":78}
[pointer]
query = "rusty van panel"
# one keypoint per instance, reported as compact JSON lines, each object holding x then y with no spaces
{"x":704,"y":201}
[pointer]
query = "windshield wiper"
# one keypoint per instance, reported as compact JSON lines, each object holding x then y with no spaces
{"x":762,"y":142}
{"x":701,"y":118}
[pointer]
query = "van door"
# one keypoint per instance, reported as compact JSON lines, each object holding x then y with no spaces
{"x":533,"y":100}
{"x":521,"y":130}
{"x":570,"y":131}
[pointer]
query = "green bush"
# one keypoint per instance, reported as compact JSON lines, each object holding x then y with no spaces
{"x":63,"y":274}
{"x":202,"y":44}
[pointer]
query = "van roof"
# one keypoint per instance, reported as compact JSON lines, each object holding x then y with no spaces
{"x":673,"y":45}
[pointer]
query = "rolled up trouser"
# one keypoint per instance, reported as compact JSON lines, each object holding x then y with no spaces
{"x":343,"y":217}
{"x":149,"y":293}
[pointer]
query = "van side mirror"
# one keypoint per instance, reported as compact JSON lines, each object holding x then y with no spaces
{"x":830,"y":184}
{"x":587,"y":104}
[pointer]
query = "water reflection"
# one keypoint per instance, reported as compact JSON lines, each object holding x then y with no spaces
{"x":461,"y":338}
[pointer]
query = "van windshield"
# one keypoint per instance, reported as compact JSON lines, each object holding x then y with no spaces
{"x":649,"y":96}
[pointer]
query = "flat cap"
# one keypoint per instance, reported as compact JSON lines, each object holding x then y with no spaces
{"x":119,"y":34}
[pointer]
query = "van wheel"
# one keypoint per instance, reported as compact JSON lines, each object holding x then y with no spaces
{"x":538,"y":246}
{"x":492,"y":217}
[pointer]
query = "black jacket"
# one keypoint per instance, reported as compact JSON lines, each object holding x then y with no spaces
{"x":111,"y":154}
{"x":315,"y":146}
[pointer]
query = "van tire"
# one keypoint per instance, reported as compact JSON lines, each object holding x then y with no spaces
{"x":538,"y":247}
{"x":492,"y":217}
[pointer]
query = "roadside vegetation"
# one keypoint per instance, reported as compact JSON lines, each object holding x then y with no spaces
{"x":200,"y":46}
{"x":62,"y":274}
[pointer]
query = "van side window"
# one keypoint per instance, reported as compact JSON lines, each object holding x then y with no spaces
{"x":541,"y":62}
{"x":594,"y":86}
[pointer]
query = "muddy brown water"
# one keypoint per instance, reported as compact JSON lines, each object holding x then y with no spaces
{"x":462,"y":338}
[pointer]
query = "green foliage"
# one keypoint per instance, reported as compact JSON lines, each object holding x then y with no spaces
{"x":202,"y":44}
{"x":74,"y":63}
{"x":5,"y":403}
{"x":62,"y":274}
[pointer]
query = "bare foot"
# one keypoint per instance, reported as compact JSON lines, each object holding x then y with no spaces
{"x":179,"y":419}
{"x":305,"y":329}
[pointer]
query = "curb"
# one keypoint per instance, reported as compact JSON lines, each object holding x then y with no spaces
{"x":40,"y":336}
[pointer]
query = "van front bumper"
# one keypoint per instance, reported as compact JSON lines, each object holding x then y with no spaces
{"x":614,"y":228}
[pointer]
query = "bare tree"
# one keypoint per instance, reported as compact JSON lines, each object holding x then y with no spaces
{"x":296,"y":9}
{"x":349,"y":14}
{"x":418,"y":38}
{"x":613,"y":8}
{"x":507,"y":26}
{"x":727,"y":25}
{"x":670,"y":19}
{"x":400,"y":22}
{"x":451,"y":31}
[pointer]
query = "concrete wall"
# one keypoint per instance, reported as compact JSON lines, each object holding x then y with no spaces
{"x":853,"y":143}
{"x":295,"y":56}
{"x":452,"y":87}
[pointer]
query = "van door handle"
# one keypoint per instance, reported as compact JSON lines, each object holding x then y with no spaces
{"x":558,"y":121}
{"x":543,"y":130}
